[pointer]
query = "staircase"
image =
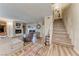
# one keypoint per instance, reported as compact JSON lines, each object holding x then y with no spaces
{"x":61,"y":43}
{"x":60,"y":35}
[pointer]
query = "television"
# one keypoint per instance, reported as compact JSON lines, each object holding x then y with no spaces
{"x":18,"y":31}
{"x":32,"y":31}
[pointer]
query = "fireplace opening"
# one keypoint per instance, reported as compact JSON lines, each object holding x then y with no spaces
{"x":2,"y":28}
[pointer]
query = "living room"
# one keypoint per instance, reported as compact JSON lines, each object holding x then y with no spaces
{"x":22,"y":23}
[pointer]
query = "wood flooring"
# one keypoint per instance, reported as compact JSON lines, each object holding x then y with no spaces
{"x":61,"y":44}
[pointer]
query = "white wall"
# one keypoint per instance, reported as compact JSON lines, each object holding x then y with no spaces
{"x":71,"y":20}
{"x":48,"y":26}
{"x":33,"y":26}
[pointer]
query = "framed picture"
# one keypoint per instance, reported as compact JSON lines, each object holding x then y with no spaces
{"x":38,"y":26}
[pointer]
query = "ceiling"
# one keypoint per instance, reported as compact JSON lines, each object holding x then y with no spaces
{"x":30,"y":12}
